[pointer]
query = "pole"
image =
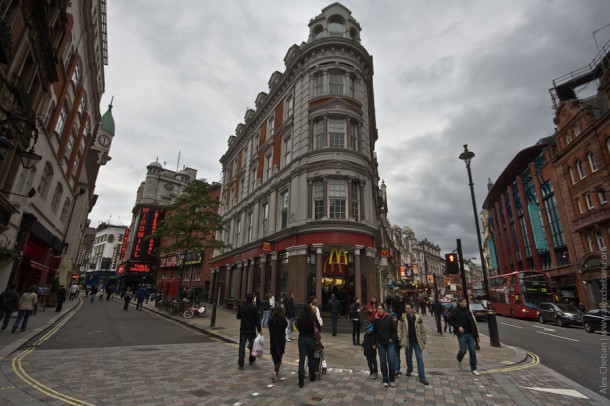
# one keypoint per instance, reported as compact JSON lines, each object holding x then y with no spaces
{"x":462,"y":272}
{"x":437,"y":307}
{"x":213,"y":318}
{"x":494,"y":337}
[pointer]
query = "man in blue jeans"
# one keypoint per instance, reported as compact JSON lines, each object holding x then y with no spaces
{"x":412,"y":335}
{"x":465,"y":327}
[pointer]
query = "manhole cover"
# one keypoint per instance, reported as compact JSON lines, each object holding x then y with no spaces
{"x":200,"y":393}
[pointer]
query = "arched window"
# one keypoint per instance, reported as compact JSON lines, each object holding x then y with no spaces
{"x":580,"y":169}
{"x":64,"y":210}
{"x":70,"y":145}
{"x":59,"y":190}
{"x":318,"y":32}
{"x":568,"y":139}
{"x":571,"y":171}
{"x":592,"y":163}
{"x":576,"y":131}
{"x":61,"y":121}
{"x":45,"y":180}
{"x":335,"y":27}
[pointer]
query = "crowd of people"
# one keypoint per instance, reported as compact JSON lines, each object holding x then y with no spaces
{"x":391,"y":329}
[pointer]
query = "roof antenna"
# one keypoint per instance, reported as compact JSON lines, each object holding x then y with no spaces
{"x":178,"y":163}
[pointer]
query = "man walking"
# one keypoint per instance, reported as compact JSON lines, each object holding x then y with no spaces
{"x":412,"y":336}
{"x":250,"y":324}
{"x":73,"y":290}
{"x":140,"y":296}
{"x":290,"y":315}
{"x":9,"y":301}
{"x":465,"y":327}
{"x":335,"y":307}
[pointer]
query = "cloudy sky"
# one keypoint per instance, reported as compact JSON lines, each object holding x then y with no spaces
{"x":447,"y":73}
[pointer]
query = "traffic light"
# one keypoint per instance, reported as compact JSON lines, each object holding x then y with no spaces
{"x":451,"y":264}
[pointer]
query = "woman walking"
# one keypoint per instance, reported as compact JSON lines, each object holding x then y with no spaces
{"x":277,"y":335}
{"x":127,"y":299}
{"x":306,"y":322}
{"x":26,"y":305}
{"x":266,"y":310}
{"x":355,"y":311}
{"x":385,"y":339}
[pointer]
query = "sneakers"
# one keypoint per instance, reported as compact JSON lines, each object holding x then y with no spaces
{"x":375,"y":375}
{"x":475,"y":372}
{"x":398,"y":373}
{"x":385,"y":385}
{"x":460,"y":366}
{"x":424,"y":381}
{"x":409,"y":373}
{"x":241,"y":367}
{"x":392,"y":384}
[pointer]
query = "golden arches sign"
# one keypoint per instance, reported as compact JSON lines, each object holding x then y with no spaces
{"x":335,"y":263}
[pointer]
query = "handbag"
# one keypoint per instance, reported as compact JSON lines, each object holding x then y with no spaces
{"x":316,"y":334}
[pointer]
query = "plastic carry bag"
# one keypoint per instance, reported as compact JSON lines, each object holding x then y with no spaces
{"x":257,"y":346}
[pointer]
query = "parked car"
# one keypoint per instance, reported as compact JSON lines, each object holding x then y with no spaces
{"x":561,"y":313}
{"x":478,"y":310}
{"x":594,"y":318}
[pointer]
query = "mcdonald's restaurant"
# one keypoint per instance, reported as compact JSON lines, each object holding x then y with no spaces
{"x":319,"y":269}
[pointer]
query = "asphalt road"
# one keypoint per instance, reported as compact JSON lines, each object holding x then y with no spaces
{"x":571,"y":351}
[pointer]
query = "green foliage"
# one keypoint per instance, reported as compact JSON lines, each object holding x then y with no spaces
{"x":190,"y":222}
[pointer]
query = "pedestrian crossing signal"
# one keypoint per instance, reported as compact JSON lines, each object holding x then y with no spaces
{"x":451,"y":264}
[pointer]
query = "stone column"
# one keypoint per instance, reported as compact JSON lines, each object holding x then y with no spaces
{"x":244,"y":279}
{"x":274,"y":257}
{"x":238,"y":272}
{"x":261,"y":290}
{"x":250,"y":288}
{"x":228,"y":282}
{"x":319,"y":266}
{"x":357,"y":271}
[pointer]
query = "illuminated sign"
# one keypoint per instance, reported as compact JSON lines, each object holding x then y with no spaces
{"x":134,"y":268}
{"x":385,"y":253}
{"x":265,"y":246}
{"x":193,"y":258}
{"x":145,"y":226}
{"x":340,"y":257}
{"x":403,"y":272}
{"x":124,"y":245}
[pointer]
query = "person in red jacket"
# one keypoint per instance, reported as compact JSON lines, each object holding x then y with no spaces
{"x":371,"y":309}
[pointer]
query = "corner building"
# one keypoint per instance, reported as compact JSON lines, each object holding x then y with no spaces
{"x":300,"y":192}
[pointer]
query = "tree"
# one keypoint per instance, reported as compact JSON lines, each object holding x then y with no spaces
{"x":190,"y":222}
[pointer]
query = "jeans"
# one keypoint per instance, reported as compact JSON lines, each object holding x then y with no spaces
{"x":418,"y":357}
{"x":467,"y":341}
{"x":387,"y":358}
{"x":447,"y":325}
{"x":6,"y":315}
{"x":397,"y":359}
{"x":139,"y":303}
{"x":127,"y":300}
{"x":265,"y":321}
{"x":243,"y":337}
{"x":22,"y":314}
{"x":356,"y":331}
{"x":307,"y":347}
{"x":334,"y":317}
{"x":371,"y":360}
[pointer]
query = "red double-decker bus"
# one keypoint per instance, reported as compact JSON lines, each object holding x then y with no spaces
{"x":518,"y":294}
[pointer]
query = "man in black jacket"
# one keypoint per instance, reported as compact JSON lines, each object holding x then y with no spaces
{"x":335,"y":307}
{"x":250,"y":324}
{"x":9,"y":300}
{"x":290,"y":314}
{"x":465,"y":328}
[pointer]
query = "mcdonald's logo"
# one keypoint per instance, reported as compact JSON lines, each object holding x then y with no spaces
{"x":265,"y":246}
{"x":337,"y":257}
{"x":384,"y":253}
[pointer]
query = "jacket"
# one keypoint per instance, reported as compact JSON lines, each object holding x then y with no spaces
{"x":353,"y":311}
{"x":420,"y":332}
{"x":250,"y":320}
{"x":12,"y":300}
{"x":367,"y":343}
{"x":384,"y":329}
{"x":334,"y":306}
{"x":28,"y":301}
{"x":461,"y":317}
{"x":371,"y":309}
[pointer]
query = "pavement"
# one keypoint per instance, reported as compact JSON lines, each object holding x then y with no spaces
{"x":509,"y":375}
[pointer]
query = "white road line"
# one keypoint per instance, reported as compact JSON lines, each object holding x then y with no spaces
{"x":553,"y":335}
{"x":565,"y":392}
{"x":512,"y":325}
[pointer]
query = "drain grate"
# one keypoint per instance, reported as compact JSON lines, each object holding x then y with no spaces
{"x":200,"y":393}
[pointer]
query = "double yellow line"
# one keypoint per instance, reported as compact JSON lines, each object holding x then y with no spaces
{"x":25,"y":377}
{"x":535,"y":360}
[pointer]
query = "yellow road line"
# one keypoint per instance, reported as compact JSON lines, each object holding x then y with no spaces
{"x":516,"y":367}
{"x":17,"y":366}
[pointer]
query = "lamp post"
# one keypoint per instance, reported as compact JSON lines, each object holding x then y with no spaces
{"x":494,"y":338}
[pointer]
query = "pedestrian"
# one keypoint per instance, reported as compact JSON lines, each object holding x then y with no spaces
{"x":266,"y":310}
{"x":290,"y":315}
{"x":371,"y":309}
{"x":93,"y":292}
{"x":465,"y":328}
{"x":9,"y":302}
{"x":368,"y":347}
{"x":385,"y":339}
{"x":25,"y":308}
{"x":422,"y":306}
{"x":100,"y":294}
{"x":109,"y":292}
{"x":126,"y":298}
{"x":334,"y":305}
{"x":277,"y":338}
{"x":412,"y":336}
{"x":87,"y":289}
{"x":249,"y":325}
{"x":61,"y":298}
{"x":446,"y":314}
{"x":355,"y":311}
{"x":141,"y":294}
{"x":306,"y":322}
{"x":73,"y":290}
{"x":314,"y":307}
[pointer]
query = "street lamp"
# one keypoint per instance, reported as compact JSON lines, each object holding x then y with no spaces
{"x":494,"y":338}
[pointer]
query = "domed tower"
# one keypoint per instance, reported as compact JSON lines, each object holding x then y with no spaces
{"x":300,"y":181}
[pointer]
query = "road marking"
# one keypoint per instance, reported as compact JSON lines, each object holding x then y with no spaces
{"x":565,"y":392}
{"x":512,"y":325}
{"x":544,"y":328}
{"x":554,"y":335}
{"x":515,"y":367}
